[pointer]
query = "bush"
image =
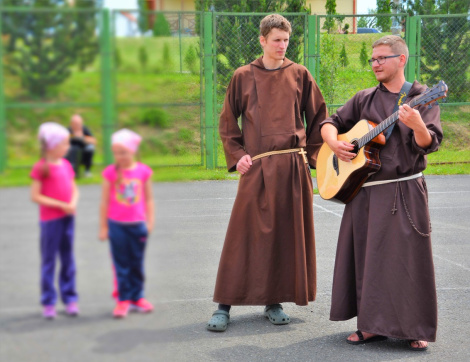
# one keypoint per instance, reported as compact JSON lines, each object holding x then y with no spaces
{"x":185,"y":135}
{"x":363,"y":56}
{"x":343,"y":57}
{"x":166,"y":60}
{"x":161,"y":27}
{"x":156,"y":118}
{"x":143,"y":57}
{"x":190,"y":60}
{"x":117,"y":58}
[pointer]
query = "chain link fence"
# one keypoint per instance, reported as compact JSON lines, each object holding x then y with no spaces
{"x":161,"y":73}
{"x":50,"y":72}
{"x":158,"y":84}
{"x":342,"y":46}
{"x":117,"y":69}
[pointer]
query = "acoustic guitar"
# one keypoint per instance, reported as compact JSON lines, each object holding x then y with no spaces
{"x":341,"y":181}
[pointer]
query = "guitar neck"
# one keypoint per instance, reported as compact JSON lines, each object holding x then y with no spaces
{"x":388,"y":122}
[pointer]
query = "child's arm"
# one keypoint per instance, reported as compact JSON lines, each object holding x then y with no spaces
{"x":106,"y":187}
{"x":75,"y":195}
{"x":39,"y":198}
{"x":149,"y":205}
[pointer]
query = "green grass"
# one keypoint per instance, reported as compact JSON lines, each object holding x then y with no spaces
{"x":14,"y":177}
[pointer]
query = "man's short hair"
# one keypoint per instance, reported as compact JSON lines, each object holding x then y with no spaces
{"x":274,"y":21}
{"x":395,"y":42}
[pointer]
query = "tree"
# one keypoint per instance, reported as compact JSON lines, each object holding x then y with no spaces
{"x":330,"y":7}
{"x":143,"y":57}
{"x":363,"y":55}
{"x":343,"y":57}
{"x":328,"y":68}
{"x":384,"y":22}
{"x":44,"y":45}
{"x":190,"y":60}
{"x":445,"y":44}
{"x":161,"y":27}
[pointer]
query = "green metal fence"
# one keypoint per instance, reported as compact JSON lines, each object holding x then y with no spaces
{"x":166,"y":75}
{"x":337,"y":57}
{"x":131,"y":76}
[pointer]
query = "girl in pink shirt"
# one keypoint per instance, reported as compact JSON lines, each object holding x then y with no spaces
{"x":126,"y":218}
{"x":54,"y":189}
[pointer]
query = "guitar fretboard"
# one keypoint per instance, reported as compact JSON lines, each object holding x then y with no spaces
{"x":383,"y":126}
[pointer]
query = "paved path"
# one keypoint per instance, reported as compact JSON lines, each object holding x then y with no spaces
{"x":181,"y":263}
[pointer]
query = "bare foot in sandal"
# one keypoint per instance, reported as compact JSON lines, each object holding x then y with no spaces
{"x":359,"y":337}
{"x":418,"y":345}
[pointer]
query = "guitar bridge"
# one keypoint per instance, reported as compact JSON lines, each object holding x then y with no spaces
{"x":335,"y":164}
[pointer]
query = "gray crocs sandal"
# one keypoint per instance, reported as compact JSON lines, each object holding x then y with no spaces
{"x":219,"y":321}
{"x":276,"y":315}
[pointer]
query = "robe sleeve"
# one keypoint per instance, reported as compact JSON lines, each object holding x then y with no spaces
{"x":230,"y":133}
{"x":432,"y":120}
{"x":315,"y":111}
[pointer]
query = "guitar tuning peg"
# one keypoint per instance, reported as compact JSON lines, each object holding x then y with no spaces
{"x":430,"y":106}
{"x":444,"y":100}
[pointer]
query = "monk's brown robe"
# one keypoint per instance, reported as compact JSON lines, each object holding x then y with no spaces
{"x":384,"y":272}
{"x":269,"y":251}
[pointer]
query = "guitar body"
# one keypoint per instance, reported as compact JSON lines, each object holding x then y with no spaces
{"x":341,"y":181}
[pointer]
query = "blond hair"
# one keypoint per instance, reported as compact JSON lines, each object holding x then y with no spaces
{"x":274,"y":21}
{"x":396,"y":43}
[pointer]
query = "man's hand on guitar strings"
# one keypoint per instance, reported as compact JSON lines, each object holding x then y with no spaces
{"x":342,"y":150}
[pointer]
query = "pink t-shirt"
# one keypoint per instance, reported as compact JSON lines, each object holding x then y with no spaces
{"x":127,"y":200}
{"x":57,"y":186}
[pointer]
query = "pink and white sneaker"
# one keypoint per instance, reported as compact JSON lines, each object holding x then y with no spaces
{"x":49,"y":312}
{"x":121,"y":309}
{"x":71,"y":309}
{"x":143,"y":305}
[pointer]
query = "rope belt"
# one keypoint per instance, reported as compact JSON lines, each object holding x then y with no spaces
{"x":300,"y":151}
{"x":374,"y":183}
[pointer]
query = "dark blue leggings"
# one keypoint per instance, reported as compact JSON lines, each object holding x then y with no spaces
{"x":128,"y":243}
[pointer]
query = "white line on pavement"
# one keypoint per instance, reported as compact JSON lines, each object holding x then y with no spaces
{"x":450,"y":261}
{"x":326,"y":210}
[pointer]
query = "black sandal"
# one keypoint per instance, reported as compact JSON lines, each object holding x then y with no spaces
{"x":364,"y":341}
{"x":417,"y":349}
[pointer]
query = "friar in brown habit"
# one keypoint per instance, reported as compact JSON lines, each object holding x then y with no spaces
{"x":269,"y":251}
{"x":384,"y":271}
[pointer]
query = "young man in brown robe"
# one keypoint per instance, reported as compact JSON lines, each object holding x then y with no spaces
{"x":269,"y":251}
{"x":384,"y":271}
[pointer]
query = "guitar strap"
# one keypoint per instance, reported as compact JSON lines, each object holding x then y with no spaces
{"x":401,"y":100}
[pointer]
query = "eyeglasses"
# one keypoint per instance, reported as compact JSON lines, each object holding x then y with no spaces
{"x":381,"y":60}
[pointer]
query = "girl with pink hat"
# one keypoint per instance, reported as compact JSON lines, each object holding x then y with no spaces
{"x":126,"y":219}
{"x":54,"y":189}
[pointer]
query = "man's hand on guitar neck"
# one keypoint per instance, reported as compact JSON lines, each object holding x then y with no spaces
{"x":341,"y":149}
{"x":412,"y":119}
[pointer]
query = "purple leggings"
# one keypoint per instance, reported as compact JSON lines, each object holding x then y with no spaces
{"x":57,"y":238}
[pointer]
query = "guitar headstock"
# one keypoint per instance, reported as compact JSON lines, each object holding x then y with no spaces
{"x":438,"y":91}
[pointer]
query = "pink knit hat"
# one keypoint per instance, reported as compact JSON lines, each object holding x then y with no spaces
{"x":52,"y":134}
{"x":126,"y":138}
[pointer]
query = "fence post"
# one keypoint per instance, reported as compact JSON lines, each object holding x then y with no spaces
{"x":107,"y":89}
{"x":3,"y":136}
{"x":411,"y":38}
{"x":209,"y":89}
{"x":311,"y":44}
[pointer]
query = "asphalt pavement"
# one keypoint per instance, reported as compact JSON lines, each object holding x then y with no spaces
{"x":181,"y":265}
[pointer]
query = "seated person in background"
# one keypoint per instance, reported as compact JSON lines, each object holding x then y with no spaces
{"x":82,"y":145}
